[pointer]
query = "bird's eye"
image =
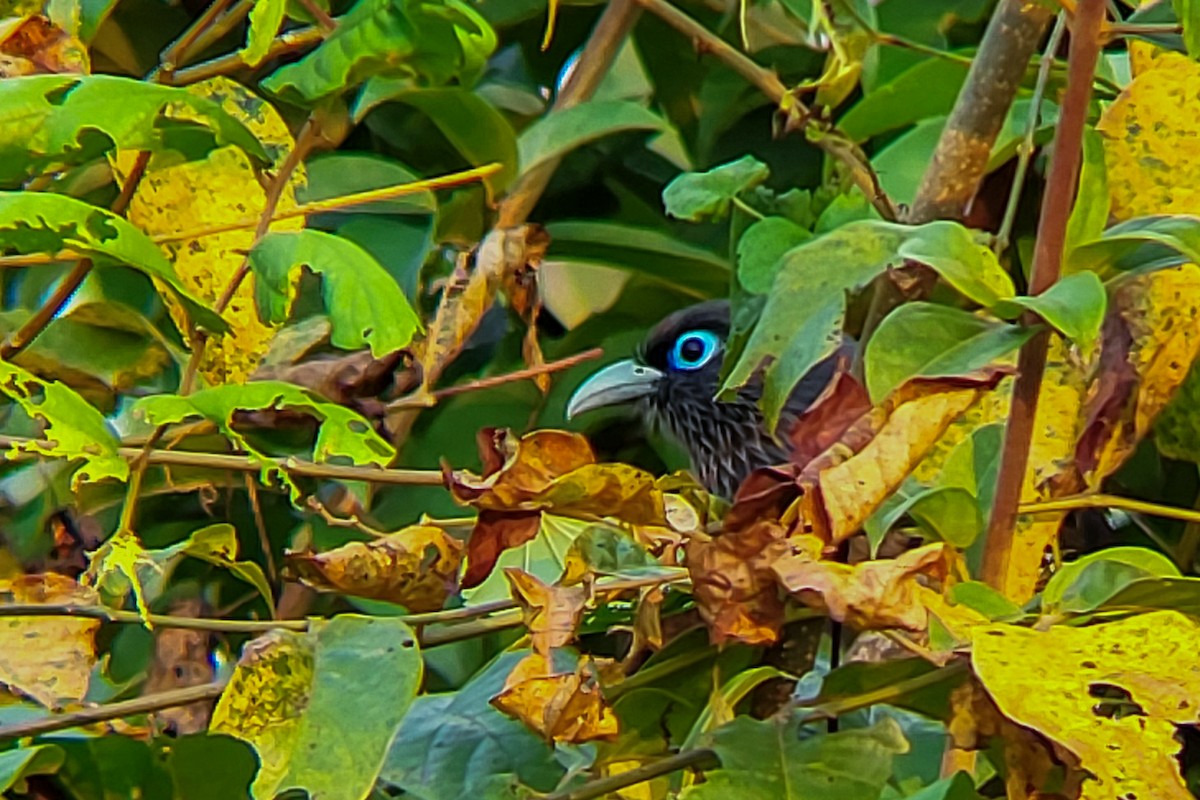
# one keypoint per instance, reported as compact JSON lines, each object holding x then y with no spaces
{"x":694,"y":349}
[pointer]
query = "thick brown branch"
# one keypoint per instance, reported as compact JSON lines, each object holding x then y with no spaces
{"x":1047,"y":265}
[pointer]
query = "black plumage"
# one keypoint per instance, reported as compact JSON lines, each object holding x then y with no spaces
{"x":673,"y":382}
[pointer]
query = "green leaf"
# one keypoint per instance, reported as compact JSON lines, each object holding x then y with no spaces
{"x":70,"y":119}
{"x":1188,"y":12}
{"x":560,"y":132}
{"x":74,"y":429}
{"x":801,"y":321}
{"x":451,"y":744}
{"x":35,"y":222}
{"x":81,"y":18}
{"x":699,"y":196}
{"x":473,"y":125}
{"x":1141,"y":244}
{"x":985,"y":600}
{"x":960,"y":786}
{"x":1088,"y":219}
{"x":650,"y":252}
{"x":431,"y":41}
{"x":322,"y":707}
{"x":366,"y":306}
{"x":265,"y":19}
{"x":1074,"y":306}
{"x":864,"y":678}
{"x":343,"y":433}
{"x":24,"y":762}
{"x":607,"y":550}
{"x":725,"y":700}
{"x":218,"y":545}
{"x":761,"y":249}
{"x":960,"y":255}
{"x":927,"y":89}
{"x":190,"y":760}
{"x":1144,"y":594}
{"x":928,"y":340}
{"x":1091,"y":581}
{"x":767,"y":760}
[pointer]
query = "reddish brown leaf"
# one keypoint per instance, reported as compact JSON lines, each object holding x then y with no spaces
{"x":34,"y":45}
{"x":734,"y":585}
{"x":822,"y":424}
{"x":495,"y":532}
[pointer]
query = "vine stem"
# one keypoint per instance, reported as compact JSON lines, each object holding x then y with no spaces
{"x":1073,"y":502}
{"x":699,"y":758}
{"x":432,"y":398}
{"x":125,"y":708}
{"x":1047,"y":265}
{"x":1025,"y":154}
{"x":181,"y":48}
{"x":287,"y":42}
{"x":827,"y":138}
{"x":315,"y":207}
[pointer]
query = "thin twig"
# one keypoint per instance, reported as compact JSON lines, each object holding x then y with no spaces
{"x":1025,"y":152}
{"x":1047,"y":265}
{"x":326,"y":23}
{"x":242,"y":463}
{"x":285,"y":43}
{"x":430,"y":399}
{"x":181,"y":48}
{"x":23,"y":336}
{"x":700,"y":758}
{"x":821,"y":134}
{"x":845,"y":705}
{"x":1078,"y":501}
{"x":264,"y":539}
{"x":125,"y":708}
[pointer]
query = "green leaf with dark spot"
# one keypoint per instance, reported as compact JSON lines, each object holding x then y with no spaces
{"x":761,"y":248}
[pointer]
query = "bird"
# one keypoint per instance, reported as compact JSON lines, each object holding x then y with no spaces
{"x":672,"y":381}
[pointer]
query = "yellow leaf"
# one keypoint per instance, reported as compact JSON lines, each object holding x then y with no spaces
{"x":416,"y":567}
{"x":221,"y":189}
{"x":552,"y":613}
{"x":265,"y":700}
{"x":1109,"y":694}
{"x":47,"y":658}
{"x":114,"y":567}
{"x":560,"y":705}
{"x":34,"y":45}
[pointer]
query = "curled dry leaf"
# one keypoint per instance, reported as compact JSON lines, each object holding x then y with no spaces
{"x":734,"y":584}
{"x":561,"y":705}
{"x":416,"y":567}
{"x":843,"y":486}
{"x":545,"y":471}
{"x":1111,"y":695}
{"x":50,"y":659}
{"x":552,"y":613}
{"x":872,"y":595}
{"x":822,"y":424}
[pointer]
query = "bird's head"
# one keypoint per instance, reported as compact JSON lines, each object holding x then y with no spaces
{"x":672,"y":382}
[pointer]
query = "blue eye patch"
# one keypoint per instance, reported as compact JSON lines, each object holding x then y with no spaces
{"x":694,"y":349}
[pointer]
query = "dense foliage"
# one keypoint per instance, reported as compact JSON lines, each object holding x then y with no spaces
{"x":295,"y":293}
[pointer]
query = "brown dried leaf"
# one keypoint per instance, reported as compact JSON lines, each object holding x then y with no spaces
{"x":50,"y":659}
{"x":552,"y":613}
{"x":872,"y":595}
{"x":545,"y":471}
{"x":559,"y":705}
{"x":416,"y":567}
{"x":845,"y":484}
{"x":734,"y":584}
{"x":33,"y":45}
{"x":823,"y":423}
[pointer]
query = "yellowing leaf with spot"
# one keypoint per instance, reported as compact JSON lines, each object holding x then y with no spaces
{"x":1152,"y":141}
{"x":321,"y":707}
{"x":843,"y":486}
{"x":47,"y":658}
{"x":1109,"y":694}
{"x":176,"y":197}
{"x":552,"y":613}
{"x":416,"y":567}
{"x":560,"y":705}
